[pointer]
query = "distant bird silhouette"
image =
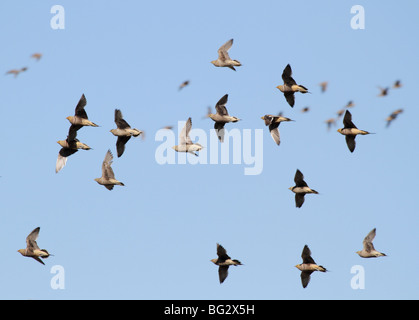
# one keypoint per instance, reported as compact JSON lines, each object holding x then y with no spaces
{"x":350,"y":131}
{"x":224,"y":59}
{"x":224,"y":262}
{"x":290,"y":86}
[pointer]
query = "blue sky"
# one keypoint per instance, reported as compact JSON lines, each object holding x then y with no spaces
{"x":154,"y":238}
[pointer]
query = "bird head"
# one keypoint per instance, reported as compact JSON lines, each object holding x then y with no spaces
{"x":70,"y":118}
{"x":21,"y":251}
{"x":214,"y":260}
{"x":214,"y":62}
{"x":175,"y":148}
{"x":280,"y":87}
{"x":340,"y":130}
{"x":290,"y":188}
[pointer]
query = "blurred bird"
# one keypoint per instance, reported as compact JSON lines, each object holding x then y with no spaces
{"x":273,"y":122}
{"x":350,"y":104}
{"x":300,"y":189}
{"x":32,"y":250}
{"x":350,"y":131}
{"x":185,"y":142}
{"x":397,"y":84}
{"x":209,"y":111}
{"x":330,"y":122}
{"x":393,"y":116}
{"x":308,"y":266}
{"x":69,"y":146}
{"x":223,"y":262}
{"x":383,"y":92}
{"x":183,"y":84}
{"x":368,"y":250}
{"x":305,"y":109}
{"x":221,"y":117}
{"x":224,"y":59}
{"x":168,"y":127}
{"x":80,"y":118}
{"x":123,"y":132}
{"x":290,"y":86}
{"x":108,"y":177}
{"x":37,"y":56}
{"x":16,"y":72}
{"x":323,"y":86}
{"x":340,"y":112}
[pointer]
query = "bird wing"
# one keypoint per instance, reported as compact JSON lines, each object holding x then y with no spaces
{"x":222,"y":253}
{"x":120,"y":144}
{"x":80,"y":112}
{"x":287,"y":76}
{"x":107,"y":171}
{"x":299,"y":179}
{"x":273,"y":129}
{"x":299,"y":199}
{"x":350,"y":141}
{"x":289,"y":96}
{"x":220,"y":107}
{"x":184,"y":134}
{"x":222,"y":273}
{"x":347,"y":120}
{"x":31,"y":240}
{"x":222,"y":52}
{"x":306,"y":255}
{"x":367,"y":243}
{"x":305,"y":277}
{"x":219,"y":128}
{"x":120,"y":122}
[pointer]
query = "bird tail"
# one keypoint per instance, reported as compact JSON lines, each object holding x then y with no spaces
{"x":321,"y":269}
{"x":237,"y":262}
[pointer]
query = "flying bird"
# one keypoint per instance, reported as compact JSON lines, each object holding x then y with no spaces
{"x":368,"y":250}
{"x":323,"y":86}
{"x":224,"y":59}
{"x":330,"y":122}
{"x":393,"y":116}
{"x":185,"y":142}
{"x":383,"y":91}
{"x":108,"y":177}
{"x":183,"y":84}
{"x":221,"y":117}
{"x":123,"y":132}
{"x":69,"y":146}
{"x":290,"y":86}
{"x":308,"y":266}
{"x":32,"y":250}
{"x":300,"y":189}
{"x":37,"y":56}
{"x":397,"y":84}
{"x":273,"y":122}
{"x":350,"y":104}
{"x":305,"y":109}
{"x":16,"y":72}
{"x":223,"y":262}
{"x":350,"y":131}
{"x":80,"y":118}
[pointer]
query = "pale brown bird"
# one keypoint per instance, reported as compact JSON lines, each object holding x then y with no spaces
{"x":223,"y":262}
{"x":16,"y":72}
{"x":383,"y":91}
{"x":37,"y":56}
{"x":224,"y":59}
{"x":290,"y":86}
{"x":32,"y":250}
{"x":397,"y":84}
{"x":393,"y":116}
{"x":350,"y":131}
{"x":330,"y":122}
{"x":368,"y":250}
{"x":183,"y":84}
{"x":305,"y":109}
{"x":300,"y":189}
{"x":123,"y":132}
{"x":185,"y":142}
{"x":69,"y":147}
{"x":221,"y":117}
{"x":308,"y":266}
{"x":108,"y":177}
{"x":80,"y":118}
{"x":323,"y":86}
{"x":273,"y":122}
